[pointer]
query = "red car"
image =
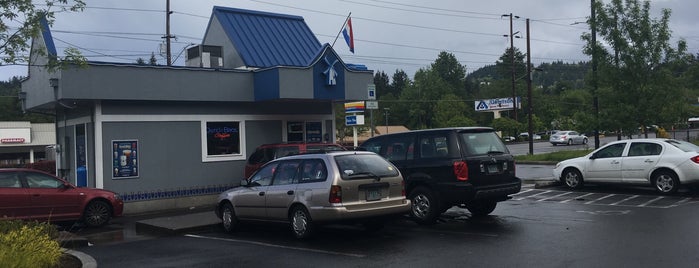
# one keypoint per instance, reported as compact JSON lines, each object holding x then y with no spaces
{"x":268,"y":152}
{"x":29,"y":194}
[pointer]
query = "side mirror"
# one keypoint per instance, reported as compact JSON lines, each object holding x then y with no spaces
{"x":593,"y":156}
{"x":244,"y":182}
{"x":66,"y":185}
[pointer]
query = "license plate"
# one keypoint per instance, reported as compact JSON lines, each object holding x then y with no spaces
{"x":373,"y":194}
{"x":493,"y":169}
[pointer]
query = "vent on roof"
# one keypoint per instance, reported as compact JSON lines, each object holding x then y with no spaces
{"x":205,"y":56}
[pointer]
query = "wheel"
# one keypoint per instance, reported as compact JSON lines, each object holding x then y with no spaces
{"x":570,"y":142}
{"x":481,"y":208}
{"x":554,"y":144}
{"x":228,"y":218}
{"x":585,"y":141}
{"x":572,"y":178}
{"x":97,"y":213}
{"x":666,"y":182}
{"x":373,"y":225}
{"x":301,"y":223}
{"x":425,"y":206}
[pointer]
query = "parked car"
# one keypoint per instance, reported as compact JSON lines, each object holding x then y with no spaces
{"x":665,"y":164}
{"x":567,"y":137}
{"x":466,"y":166}
{"x":317,"y":188}
{"x":525,"y":136}
{"x":267,"y":152}
{"x":29,"y":194}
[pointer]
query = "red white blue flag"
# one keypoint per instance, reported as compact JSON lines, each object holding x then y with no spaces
{"x":349,"y":37}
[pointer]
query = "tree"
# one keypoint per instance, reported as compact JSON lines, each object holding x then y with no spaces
{"x":399,"y":82}
{"x":451,"y":71}
{"x":11,"y":106}
{"x":140,"y":61}
{"x":639,"y":89}
{"x":153,"y":61}
{"x":20,"y":20}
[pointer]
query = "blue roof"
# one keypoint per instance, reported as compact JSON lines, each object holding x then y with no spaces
{"x":267,"y":39}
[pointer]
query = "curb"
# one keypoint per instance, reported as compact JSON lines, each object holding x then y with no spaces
{"x":86,"y":260}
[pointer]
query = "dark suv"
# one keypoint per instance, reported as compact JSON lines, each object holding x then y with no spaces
{"x":466,"y":166}
{"x":268,"y":152}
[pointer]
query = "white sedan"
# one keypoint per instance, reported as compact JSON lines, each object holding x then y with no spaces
{"x":664,"y":164}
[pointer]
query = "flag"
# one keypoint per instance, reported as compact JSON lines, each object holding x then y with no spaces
{"x":349,"y":37}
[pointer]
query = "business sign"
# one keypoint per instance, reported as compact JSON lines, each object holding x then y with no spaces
{"x":354,"y":120}
{"x":12,"y":140}
{"x":354,"y":107}
{"x":496,"y":104}
{"x":125,"y":159}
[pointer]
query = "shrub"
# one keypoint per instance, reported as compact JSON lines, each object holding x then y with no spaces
{"x":28,"y":244}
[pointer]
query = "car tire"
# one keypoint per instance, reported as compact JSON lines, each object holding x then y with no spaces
{"x":570,"y":142}
{"x":481,"y":208}
{"x":554,"y":144}
{"x":572,"y":179}
{"x":666,"y":182}
{"x":585,"y":141}
{"x":425,"y":206}
{"x":228,"y":219}
{"x":97,"y":213}
{"x":301,"y":222}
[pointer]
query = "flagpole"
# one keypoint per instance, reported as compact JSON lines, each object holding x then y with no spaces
{"x":341,"y":28}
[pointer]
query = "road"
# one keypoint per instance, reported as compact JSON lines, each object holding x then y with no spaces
{"x":551,"y":227}
{"x":522,"y":148}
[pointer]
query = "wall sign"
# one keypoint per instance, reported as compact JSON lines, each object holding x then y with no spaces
{"x":125,"y":159}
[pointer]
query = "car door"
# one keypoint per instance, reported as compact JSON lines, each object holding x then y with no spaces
{"x":605,"y":164}
{"x":575,"y":136}
{"x":281,"y":193}
{"x":641,"y":158}
{"x":14,"y":199}
{"x":51,"y":199}
{"x":249,"y":202}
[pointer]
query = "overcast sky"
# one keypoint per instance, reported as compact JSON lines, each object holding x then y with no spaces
{"x":389,"y":34}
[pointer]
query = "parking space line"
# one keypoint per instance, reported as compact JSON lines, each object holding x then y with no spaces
{"x":278,"y":246}
{"x":599,"y":199}
{"x":532,"y":195}
{"x":550,"y":197}
{"x":624,"y":200}
{"x":566,"y":201}
{"x":521,"y":192}
{"x":651,"y":201}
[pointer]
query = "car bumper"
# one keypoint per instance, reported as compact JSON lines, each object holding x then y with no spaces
{"x":456,"y":194}
{"x":361,"y":211}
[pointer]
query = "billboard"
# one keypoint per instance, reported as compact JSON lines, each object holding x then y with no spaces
{"x":496,"y":104}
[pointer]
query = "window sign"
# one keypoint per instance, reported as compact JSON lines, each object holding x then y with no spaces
{"x":125,"y":159}
{"x":223,"y":138}
{"x":314,"y":132}
{"x":294,"y":132}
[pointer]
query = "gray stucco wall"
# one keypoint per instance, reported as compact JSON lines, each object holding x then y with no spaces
{"x":296,"y":83}
{"x":169,"y":157}
{"x":216,"y":36}
{"x":249,"y":108}
{"x":261,"y":132}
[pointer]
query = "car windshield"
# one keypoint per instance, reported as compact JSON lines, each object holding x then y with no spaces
{"x":354,"y":166}
{"x":683,"y":145}
{"x":478,"y":143}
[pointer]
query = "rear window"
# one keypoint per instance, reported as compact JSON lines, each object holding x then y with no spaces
{"x":479,"y":143}
{"x":357,"y":166}
{"x":683,"y":145}
{"x":286,"y":150}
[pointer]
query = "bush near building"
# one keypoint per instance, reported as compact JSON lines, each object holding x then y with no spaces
{"x":28,"y":244}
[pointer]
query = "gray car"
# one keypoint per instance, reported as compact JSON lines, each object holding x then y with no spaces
{"x":310,"y":189}
{"x":567,"y":137}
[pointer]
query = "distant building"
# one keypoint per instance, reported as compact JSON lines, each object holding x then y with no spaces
{"x":23,"y":142}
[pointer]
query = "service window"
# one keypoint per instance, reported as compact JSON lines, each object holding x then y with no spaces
{"x":222,"y":141}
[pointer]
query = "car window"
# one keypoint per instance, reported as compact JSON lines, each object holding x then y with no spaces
{"x":263,"y":177}
{"x":478,"y":143}
{"x":573,"y":133}
{"x":9,"y":180}
{"x":313,"y":170}
{"x":260,"y":156}
{"x":683,"y":145}
{"x":399,"y":148}
{"x":644,"y":148}
{"x":614,"y":150}
{"x":286,"y":150}
{"x":36,"y":180}
{"x":434,"y":146}
{"x":286,"y":172}
{"x":364,"y":165}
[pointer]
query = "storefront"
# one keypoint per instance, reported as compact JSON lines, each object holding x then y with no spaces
{"x":166,"y":137}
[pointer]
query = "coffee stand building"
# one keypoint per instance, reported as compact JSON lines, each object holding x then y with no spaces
{"x":167,"y":137}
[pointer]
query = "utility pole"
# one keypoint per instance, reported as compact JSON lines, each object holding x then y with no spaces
{"x":167,"y":32}
{"x":529,"y":95}
{"x":595,"y":100}
{"x":512,"y":59}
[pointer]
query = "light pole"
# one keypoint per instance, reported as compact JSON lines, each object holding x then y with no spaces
{"x":512,"y":59}
{"x":385,"y":112}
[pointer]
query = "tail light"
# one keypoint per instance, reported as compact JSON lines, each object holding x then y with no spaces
{"x":335,"y":194}
{"x":402,"y":191}
{"x":695,"y":159}
{"x":461,"y":170}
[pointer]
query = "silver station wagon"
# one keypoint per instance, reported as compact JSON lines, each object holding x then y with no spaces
{"x":311,"y":189}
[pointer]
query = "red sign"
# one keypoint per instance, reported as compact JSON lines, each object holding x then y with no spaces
{"x":12,"y":140}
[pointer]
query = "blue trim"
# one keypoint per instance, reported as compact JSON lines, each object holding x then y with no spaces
{"x":48,"y":39}
{"x":266,"y":84}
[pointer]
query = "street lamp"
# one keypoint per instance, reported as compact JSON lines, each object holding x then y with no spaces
{"x":512,"y":58}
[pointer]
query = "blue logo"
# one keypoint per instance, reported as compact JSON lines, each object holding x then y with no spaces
{"x":330,"y":73}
